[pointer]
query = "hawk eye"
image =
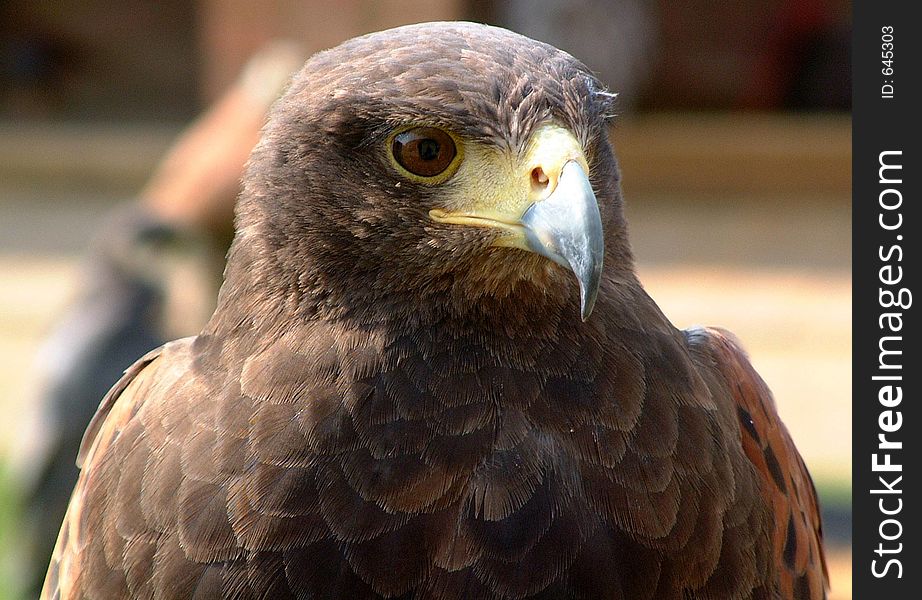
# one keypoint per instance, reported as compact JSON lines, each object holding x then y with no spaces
{"x":424,"y":151}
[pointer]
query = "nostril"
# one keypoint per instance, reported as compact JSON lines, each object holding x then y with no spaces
{"x":539,"y":179}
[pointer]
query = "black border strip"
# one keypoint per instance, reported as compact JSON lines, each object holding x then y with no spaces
{"x":886,"y":366}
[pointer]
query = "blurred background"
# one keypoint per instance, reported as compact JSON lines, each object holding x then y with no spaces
{"x":124,"y":126}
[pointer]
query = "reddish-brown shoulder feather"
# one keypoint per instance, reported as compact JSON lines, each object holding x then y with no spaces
{"x":797,"y":537}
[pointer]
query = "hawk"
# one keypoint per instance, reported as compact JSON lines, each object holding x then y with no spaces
{"x":433,"y":372}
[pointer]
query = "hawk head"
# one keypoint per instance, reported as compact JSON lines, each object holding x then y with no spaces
{"x":433,"y":167}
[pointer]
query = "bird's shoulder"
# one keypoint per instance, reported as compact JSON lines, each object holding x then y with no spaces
{"x":785,"y":482}
{"x":125,"y":397}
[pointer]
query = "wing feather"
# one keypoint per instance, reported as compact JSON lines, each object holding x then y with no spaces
{"x":797,"y":537}
{"x":118,"y":406}
{"x":108,"y":402}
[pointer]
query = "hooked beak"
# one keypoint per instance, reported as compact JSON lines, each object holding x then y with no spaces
{"x":566,"y":227}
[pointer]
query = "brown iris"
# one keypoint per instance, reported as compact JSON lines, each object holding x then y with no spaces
{"x":424,"y":151}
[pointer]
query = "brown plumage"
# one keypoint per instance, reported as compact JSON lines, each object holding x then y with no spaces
{"x":388,"y":405}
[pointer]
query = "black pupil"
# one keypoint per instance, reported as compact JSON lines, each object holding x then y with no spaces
{"x":428,"y":149}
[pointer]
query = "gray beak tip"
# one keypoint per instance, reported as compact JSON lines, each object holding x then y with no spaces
{"x":586,"y":304}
